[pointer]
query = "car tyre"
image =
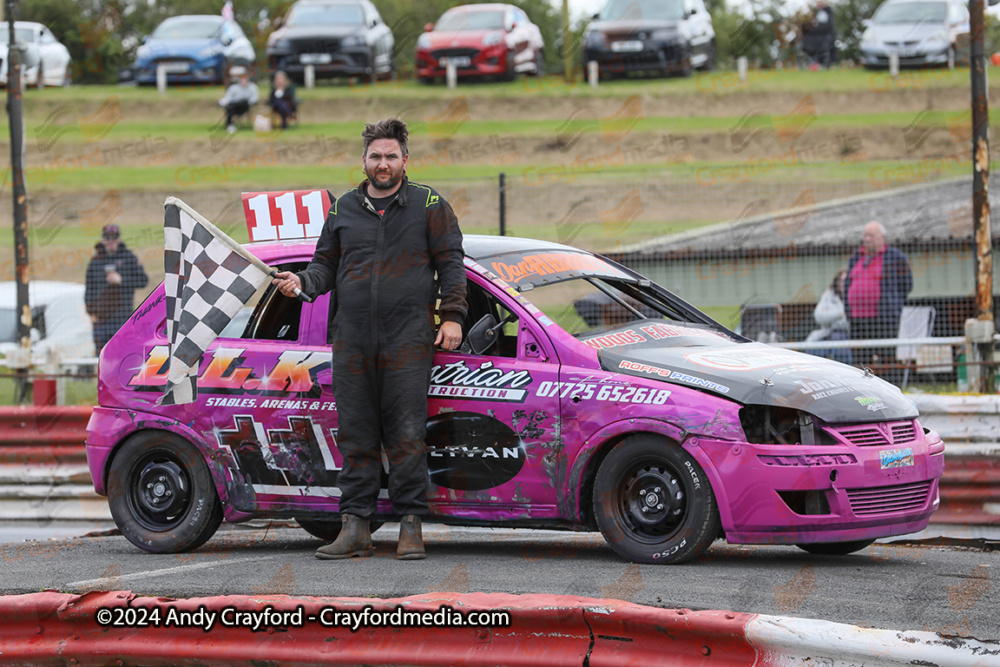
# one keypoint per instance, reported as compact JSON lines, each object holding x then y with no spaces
{"x":40,"y":81}
{"x":68,"y":77}
{"x":709,"y":65}
{"x":162,"y":495}
{"x":681,"y":520}
{"x":835,"y":548}
{"x":540,"y":63}
{"x":328,"y":529}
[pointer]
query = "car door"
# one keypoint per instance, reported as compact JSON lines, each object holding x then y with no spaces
{"x":51,"y":56}
{"x":699,"y":24}
{"x":519,"y":30}
{"x":494,"y":445}
{"x":269,"y":412}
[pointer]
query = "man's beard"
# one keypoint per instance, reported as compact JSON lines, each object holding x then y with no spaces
{"x":394,"y":180}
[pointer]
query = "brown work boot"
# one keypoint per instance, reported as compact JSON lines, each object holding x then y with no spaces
{"x":411,"y":543}
{"x":355,"y":539}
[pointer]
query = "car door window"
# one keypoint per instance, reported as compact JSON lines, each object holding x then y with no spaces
{"x":268,"y":315}
{"x":482,"y":304}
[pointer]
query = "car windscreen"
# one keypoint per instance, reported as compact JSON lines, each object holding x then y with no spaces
{"x":192,"y":28}
{"x":471,"y":20}
{"x":333,"y":14}
{"x":588,"y":305}
{"x":636,"y":10}
{"x":911,"y":12}
{"x":23,"y":34}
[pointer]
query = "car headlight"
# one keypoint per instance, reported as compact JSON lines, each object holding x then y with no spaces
{"x":209,"y":51}
{"x":353,"y":40}
{"x":868,"y":39}
{"x":424,"y":41}
{"x":281,"y":45}
{"x":595,"y":39}
{"x":143,"y":52}
{"x":493,"y":38}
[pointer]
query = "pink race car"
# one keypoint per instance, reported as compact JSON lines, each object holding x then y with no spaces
{"x":585,"y":398}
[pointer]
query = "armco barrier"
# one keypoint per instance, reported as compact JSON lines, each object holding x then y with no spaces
{"x":43,"y":434}
{"x":58,"y":629}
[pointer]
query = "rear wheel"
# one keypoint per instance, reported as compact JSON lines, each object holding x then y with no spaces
{"x":40,"y":81}
{"x":653,"y":502}
{"x":161,"y":494}
{"x":835,"y":548}
{"x":509,"y":73}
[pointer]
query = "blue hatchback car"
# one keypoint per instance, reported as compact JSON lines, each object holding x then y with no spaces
{"x":193,"y":49}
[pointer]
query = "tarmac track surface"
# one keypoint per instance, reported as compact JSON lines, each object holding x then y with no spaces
{"x":942,"y":585}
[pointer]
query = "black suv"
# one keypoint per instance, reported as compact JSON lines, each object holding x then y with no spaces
{"x":660,"y":36}
{"x":339,"y":38}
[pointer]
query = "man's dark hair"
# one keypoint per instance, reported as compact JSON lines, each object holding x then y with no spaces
{"x":389,"y":128}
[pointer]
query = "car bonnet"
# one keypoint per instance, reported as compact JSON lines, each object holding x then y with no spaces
{"x":749,"y":373}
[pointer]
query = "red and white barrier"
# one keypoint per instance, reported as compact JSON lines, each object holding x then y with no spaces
{"x":103,"y":628}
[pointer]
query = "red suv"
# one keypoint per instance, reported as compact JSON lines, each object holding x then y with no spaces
{"x":481,"y":40}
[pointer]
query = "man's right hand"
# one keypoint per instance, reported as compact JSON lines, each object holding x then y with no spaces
{"x":287,"y":282}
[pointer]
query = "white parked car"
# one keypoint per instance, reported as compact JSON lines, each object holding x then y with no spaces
{"x":49,"y":62}
{"x":59,"y":321}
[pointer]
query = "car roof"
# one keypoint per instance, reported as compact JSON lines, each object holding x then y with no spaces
{"x":476,"y":246}
{"x":27,"y":24}
{"x":193,"y":16}
{"x":494,"y":6}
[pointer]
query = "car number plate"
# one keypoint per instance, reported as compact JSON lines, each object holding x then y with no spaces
{"x":629,"y":46}
{"x":175,"y":67}
{"x":315,"y":58}
{"x":457,"y":61}
{"x":896,"y":458}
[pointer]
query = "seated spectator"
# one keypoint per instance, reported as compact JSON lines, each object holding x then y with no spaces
{"x":239,"y":97}
{"x":282,"y":99}
{"x":831,"y":317}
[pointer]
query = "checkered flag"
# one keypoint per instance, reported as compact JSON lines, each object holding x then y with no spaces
{"x":208,"y":278}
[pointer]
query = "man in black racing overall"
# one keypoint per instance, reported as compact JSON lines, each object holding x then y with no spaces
{"x":379,"y":250}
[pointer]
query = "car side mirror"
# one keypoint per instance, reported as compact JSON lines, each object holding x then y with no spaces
{"x":596,"y":17}
{"x":145,"y":38}
{"x":483,"y":334}
{"x":374,"y":23}
{"x":428,"y":27}
{"x":994,"y":2}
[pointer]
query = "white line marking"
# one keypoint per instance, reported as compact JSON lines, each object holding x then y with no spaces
{"x":169,"y":570}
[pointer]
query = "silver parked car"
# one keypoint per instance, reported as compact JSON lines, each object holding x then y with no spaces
{"x":60,"y":326}
{"x":921,"y":32}
{"x":48,"y":60}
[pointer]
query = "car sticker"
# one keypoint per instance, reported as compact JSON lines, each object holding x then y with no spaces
{"x":896,"y":458}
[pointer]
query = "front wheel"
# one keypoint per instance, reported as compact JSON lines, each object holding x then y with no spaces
{"x":653,"y":502}
{"x":161,"y":494}
{"x":835,"y":548}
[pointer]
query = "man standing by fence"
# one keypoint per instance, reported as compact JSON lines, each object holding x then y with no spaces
{"x":878,"y":280}
{"x":113,"y":276}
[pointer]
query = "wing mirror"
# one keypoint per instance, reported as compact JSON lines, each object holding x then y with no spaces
{"x":483,"y":334}
{"x":428,"y":27}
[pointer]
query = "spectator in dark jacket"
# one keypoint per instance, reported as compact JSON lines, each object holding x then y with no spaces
{"x":819,"y":36}
{"x":878,"y":280}
{"x":282,"y":100}
{"x":113,"y":276}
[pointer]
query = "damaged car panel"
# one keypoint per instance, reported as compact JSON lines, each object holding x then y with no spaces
{"x":585,"y":397}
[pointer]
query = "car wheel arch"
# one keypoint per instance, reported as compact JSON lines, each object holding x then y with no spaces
{"x":588,"y":460}
{"x":222,"y":488}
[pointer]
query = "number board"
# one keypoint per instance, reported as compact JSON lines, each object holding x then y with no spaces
{"x":284,"y":215}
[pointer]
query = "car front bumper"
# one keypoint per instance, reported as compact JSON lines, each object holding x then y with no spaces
{"x":487,"y":61}
{"x":878,"y":56}
{"x":342,"y":63}
{"x":181,"y":70}
{"x":789,"y":494}
{"x":659,"y":57}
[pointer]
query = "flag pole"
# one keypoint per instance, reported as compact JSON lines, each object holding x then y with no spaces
{"x":231,"y":244}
